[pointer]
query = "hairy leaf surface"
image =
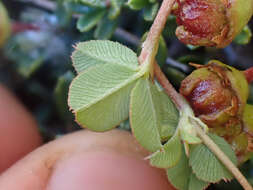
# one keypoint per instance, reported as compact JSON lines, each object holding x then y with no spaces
{"x":99,"y":96}
{"x":96,"y":52}
{"x":180,"y":173}
{"x":206,"y":165}
{"x":143,"y":115}
{"x":169,"y":155}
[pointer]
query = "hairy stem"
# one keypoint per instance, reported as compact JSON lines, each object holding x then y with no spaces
{"x":177,"y":98}
{"x":150,"y":46}
{"x":249,"y":75}
{"x":223,"y":158}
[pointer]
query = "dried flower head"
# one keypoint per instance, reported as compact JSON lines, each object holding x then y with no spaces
{"x":211,"y":22}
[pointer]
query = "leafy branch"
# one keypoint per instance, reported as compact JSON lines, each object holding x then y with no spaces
{"x":148,"y":53}
{"x":112,"y":84}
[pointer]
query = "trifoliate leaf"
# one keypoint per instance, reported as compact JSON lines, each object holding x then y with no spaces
{"x":89,"y":20}
{"x":196,"y":184}
{"x":105,"y":28}
{"x":96,"y":52}
{"x":99,"y":96}
{"x":179,"y":174}
{"x":144,"y":115}
{"x":94,"y":3}
{"x":150,"y":11}
{"x":205,"y":164}
{"x":169,"y":155}
{"x":137,"y":4}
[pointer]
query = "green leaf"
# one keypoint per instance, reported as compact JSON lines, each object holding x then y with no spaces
{"x":98,"y":52}
{"x":196,"y":184}
{"x":153,"y":115}
{"x":169,"y":116}
{"x":169,"y":155}
{"x":143,"y":115}
{"x":137,"y":4}
{"x":244,"y":37}
{"x":105,"y":28}
{"x":150,"y":11}
{"x":205,"y":164}
{"x":115,"y":9}
{"x":99,"y":96}
{"x":78,"y":8}
{"x":162,"y":53}
{"x":89,"y":20}
{"x":61,"y":95}
{"x":94,"y":3}
{"x":180,"y":173}
{"x":182,"y":178}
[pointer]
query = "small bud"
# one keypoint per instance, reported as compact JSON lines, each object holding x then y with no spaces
{"x":211,"y":22}
{"x":218,"y":94}
{"x":4,"y":25}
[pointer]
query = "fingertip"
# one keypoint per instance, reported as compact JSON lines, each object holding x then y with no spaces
{"x":18,"y":130}
{"x":106,"y":170}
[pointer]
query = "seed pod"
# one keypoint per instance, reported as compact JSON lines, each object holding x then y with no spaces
{"x":5,"y":29}
{"x":218,"y":94}
{"x":211,"y":22}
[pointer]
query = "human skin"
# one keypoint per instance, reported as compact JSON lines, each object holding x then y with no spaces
{"x":18,"y":130}
{"x":82,"y":160}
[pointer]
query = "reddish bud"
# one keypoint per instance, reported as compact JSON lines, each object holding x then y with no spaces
{"x":211,"y":22}
{"x":218,"y":95}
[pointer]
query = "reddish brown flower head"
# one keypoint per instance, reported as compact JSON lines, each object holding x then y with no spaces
{"x":211,"y":22}
{"x":202,"y":19}
{"x":217,"y":94}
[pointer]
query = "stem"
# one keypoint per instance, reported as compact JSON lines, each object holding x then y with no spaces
{"x":249,"y":75}
{"x":149,"y":51}
{"x":177,"y":98}
{"x":223,"y":158}
{"x":150,"y":46}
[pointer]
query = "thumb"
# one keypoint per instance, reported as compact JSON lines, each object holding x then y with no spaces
{"x":86,"y":160}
